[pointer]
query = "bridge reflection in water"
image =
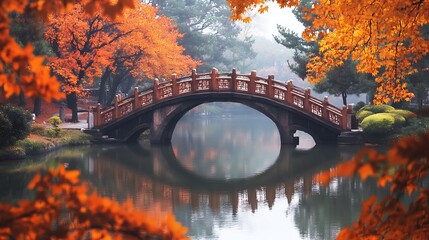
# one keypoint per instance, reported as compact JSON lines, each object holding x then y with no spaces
{"x":155,"y":181}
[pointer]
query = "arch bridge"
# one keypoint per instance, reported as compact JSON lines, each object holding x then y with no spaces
{"x":160,"y":108}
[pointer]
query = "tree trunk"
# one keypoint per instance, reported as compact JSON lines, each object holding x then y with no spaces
{"x":114,"y":87}
{"x":112,"y":91}
{"x":37,"y":108}
{"x":344,"y":95}
{"x":72,"y":104}
{"x":102,"y":93}
{"x":22,"y":99}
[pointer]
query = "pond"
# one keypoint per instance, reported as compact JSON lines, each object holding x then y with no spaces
{"x":224,"y":176}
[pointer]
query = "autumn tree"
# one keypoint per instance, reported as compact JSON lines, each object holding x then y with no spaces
{"x":83,"y":46}
{"x":149,"y":51}
{"x":339,"y":81}
{"x":26,"y":29}
{"x":137,"y":43}
{"x":383,"y":37}
{"x":20,"y":69}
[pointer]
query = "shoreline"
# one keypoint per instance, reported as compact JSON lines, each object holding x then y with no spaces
{"x":36,"y":144}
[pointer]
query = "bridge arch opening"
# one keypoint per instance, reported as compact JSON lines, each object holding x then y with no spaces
{"x":225,"y":140}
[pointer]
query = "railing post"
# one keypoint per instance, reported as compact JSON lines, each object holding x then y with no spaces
{"x":97,"y":117}
{"x":346,"y":121}
{"x":116,"y":110}
{"x":252,"y":83}
{"x":307,"y":92}
{"x":234,"y":80}
{"x":325,"y":108}
{"x":136,"y":98}
{"x":214,"y":84}
{"x":270,"y":86}
{"x":155,"y":90}
{"x":194,"y":80}
{"x":289,"y":97}
{"x":174,"y":85}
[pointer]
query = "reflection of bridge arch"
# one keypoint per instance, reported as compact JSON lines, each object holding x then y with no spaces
{"x":153,"y":175}
{"x":159,"y":109}
{"x":289,"y":165}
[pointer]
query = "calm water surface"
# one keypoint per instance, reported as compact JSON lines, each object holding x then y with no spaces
{"x":224,"y":177}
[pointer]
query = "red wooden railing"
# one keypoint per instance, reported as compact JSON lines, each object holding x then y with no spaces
{"x":285,"y":93}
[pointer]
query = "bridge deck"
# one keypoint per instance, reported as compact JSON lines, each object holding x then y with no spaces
{"x":285,"y":93}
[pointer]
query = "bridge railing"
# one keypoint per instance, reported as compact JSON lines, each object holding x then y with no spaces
{"x":286,"y":93}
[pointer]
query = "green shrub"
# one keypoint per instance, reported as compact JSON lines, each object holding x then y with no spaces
{"x":20,"y":124}
{"x":55,"y":121}
{"x":38,"y":129}
{"x":378,"y":124}
{"x":52,"y":133}
{"x":381,"y":108}
{"x":358,"y":106}
{"x":399,"y":119}
{"x":405,"y":113}
{"x":361,"y":115}
{"x":414,"y":126}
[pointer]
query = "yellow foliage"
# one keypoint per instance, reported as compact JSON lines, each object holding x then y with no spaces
{"x":382,"y":36}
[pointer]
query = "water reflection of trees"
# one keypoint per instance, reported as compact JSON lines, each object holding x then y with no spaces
{"x":122,"y":173}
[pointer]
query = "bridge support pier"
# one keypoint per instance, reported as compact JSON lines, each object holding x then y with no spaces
{"x":159,"y":132}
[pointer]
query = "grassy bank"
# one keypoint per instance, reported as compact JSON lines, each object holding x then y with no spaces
{"x":41,"y":140}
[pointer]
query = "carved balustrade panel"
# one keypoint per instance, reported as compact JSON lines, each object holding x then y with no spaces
{"x":203,"y":84}
{"x":298,"y":101}
{"x":260,"y":88}
{"x":146,"y":99}
{"x":279,"y":94}
{"x":316,"y":109}
{"x":107,"y":116}
{"x":185,"y":87}
{"x":125,"y":108}
{"x":166,"y":92}
{"x":242,"y":85}
{"x":334,"y":118}
{"x":224,"y":83}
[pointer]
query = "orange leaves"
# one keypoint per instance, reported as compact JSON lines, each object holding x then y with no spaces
{"x":63,"y":210}
{"x":20,"y":70}
{"x":139,"y":43}
{"x":239,"y":8}
{"x":404,"y":167}
{"x":384,"y":38}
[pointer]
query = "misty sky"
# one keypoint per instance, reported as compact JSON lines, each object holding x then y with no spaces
{"x":266,"y":24}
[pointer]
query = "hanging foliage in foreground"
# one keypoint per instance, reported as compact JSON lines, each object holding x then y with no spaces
{"x":384,"y":37}
{"x":20,"y":70}
{"x":63,"y":209}
{"x":405,"y":169}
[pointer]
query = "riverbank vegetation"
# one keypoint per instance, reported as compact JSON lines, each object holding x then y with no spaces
{"x":381,"y":123}
{"x":42,"y":139}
